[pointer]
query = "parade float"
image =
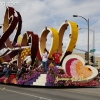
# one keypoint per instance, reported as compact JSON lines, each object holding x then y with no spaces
{"x":29,"y":47}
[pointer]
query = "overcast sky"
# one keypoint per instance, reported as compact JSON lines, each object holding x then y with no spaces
{"x":36,"y":14}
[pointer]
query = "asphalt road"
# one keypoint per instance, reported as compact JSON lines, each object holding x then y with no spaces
{"x":8,"y":92}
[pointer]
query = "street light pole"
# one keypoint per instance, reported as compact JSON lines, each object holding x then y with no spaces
{"x":93,"y":40}
{"x":88,"y":33}
{"x":88,"y":41}
{"x":94,"y":44}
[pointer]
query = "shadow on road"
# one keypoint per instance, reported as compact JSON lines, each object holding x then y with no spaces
{"x":51,"y":87}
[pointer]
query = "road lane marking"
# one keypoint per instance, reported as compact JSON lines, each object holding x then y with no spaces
{"x":3,"y":88}
{"x":77,"y":91}
{"x":39,"y":97}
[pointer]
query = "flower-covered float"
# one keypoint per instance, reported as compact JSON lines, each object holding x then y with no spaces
{"x":29,"y":47}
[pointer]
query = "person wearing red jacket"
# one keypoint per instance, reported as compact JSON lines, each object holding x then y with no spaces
{"x":56,"y":57}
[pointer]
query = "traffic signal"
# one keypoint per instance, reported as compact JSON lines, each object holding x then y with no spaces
{"x":0,"y":26}
{"x":92,"y":59}
{"x":86,"y":55}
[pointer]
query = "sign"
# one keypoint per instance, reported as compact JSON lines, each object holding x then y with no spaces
{"x":92,"y":50}
{"x":72,"y":79}
{"x":95,"y":64}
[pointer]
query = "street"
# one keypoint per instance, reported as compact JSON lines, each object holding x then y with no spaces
{"x":8,"y":92}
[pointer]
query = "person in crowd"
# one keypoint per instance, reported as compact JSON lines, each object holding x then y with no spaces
{"x":29,"y":66}
{"x":18,"y":73}
{"x":1,"y":68}
{"x":9,"y":71}
{"x":21,"y":70}
{"x":35,"y":65}
{"x":56,"y":58}
{"x":45,"y":60}
{"x":14,"y":67}
{"x":5,"y":68}
{"x":23,"y":67}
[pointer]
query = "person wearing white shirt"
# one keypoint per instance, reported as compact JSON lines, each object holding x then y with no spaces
{"x":45,"y":60}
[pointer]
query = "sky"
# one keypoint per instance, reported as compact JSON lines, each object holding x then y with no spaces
{"x":37,"y":14}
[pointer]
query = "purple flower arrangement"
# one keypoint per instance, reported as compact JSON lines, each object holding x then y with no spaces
{"x":30,"y":75}
{"x":53,"y":73}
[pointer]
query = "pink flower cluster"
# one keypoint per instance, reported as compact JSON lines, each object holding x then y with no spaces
{"x":73,"y":68}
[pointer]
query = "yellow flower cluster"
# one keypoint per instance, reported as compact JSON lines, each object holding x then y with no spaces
{"x":25,"y":52}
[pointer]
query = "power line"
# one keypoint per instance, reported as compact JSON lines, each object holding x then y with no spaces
{"x":81,"y":50}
